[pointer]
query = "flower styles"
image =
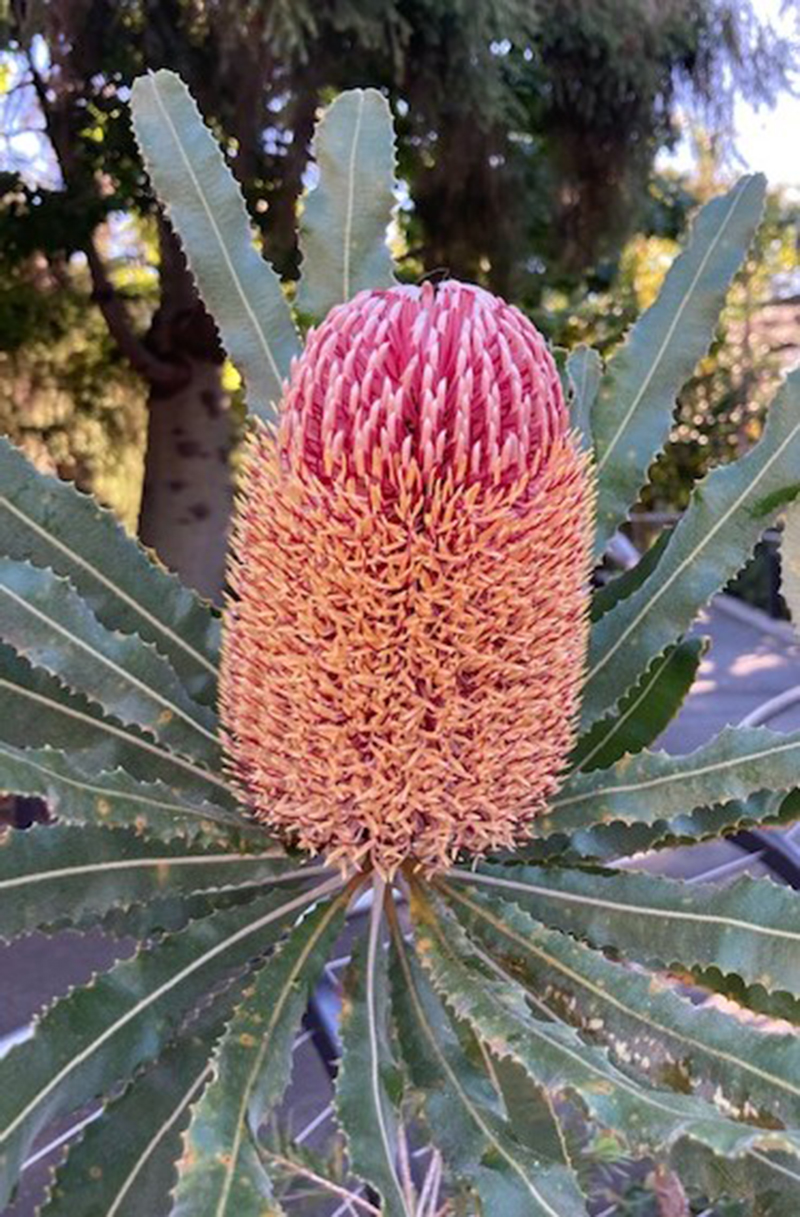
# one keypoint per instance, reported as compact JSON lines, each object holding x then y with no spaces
{"x":405,"y":639}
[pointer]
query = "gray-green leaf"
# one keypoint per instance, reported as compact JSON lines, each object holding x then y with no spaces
{"x":205,"y":204}
{"x":97,"y":1036}
{"x":553,"y":1053}
{"x":651,"y":1030}
{"x":729,"y":510}
{"x":125,"y":1163}
{"x":36,"y":710}
{"x":655,"y":786}
{"x":750,"y":927}
{"x":221,"y":1171}
{"x":633,"y":411}
{"x":115,"y":799}
{"x":345,"y":218}
{"x":790,"y":562}
{"x":368,"y":1085}
{"x":44,"y":618}
{"x":50,"y":874}
{"x":50,"y":523}
{"x":645,"y":710}
{"x":584,"y":371}
{"x":478,"y":1144}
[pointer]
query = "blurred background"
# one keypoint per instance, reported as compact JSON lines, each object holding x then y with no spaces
{"x":553,"y":150}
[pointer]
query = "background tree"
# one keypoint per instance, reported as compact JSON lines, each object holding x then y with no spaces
{"x":527,"y":157}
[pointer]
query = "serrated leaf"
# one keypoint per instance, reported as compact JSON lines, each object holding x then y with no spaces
{"x":751,"y":927}
{"x":36,"y":711}
{"x":633,"y":412}
{"x":55,"y":873}
{"x":221,"y":1171}
{"x":46,"y":621}
{"x":770,"y":1183}
{"x":790,"y":562}
{"x":531,"y":1112}
{"x":655,"y":786}
{"x":616,"y":839}
{"x":205,"y":204}
{"x":553,"y":1054}
{"x":651,"y":1029}
{"x":645,"y":711}
{"x":166,"y":914}
{"x":116,"y":799}
{"x":97,"y":1036}
{"x":584,"y":370}
{"x":478,"y":1145}
{"x":604,"y":598}
{"x":345,"y":218}
{"x":368,"y":1085}
{"x":728,"y":511}
{"x":125,"y":1163}
{"x":50,"y":523}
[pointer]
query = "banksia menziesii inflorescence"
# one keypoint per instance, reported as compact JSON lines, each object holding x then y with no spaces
{"x":404,"y":646}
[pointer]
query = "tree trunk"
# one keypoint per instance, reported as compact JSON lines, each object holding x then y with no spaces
{"x":187,"y":494}
{"x":186,"y":499}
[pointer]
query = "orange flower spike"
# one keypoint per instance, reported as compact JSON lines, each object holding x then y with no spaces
{"x":405,"y":639}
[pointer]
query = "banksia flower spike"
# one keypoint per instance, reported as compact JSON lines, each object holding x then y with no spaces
{"x":405,"y":638}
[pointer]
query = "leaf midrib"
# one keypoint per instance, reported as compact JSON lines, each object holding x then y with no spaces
{"x":267,"y":350}
{"x":175,"y":638}
{"x":738,"y":195}
{"x":99,"y":657}
{"x":219,"y":948}
{"x":690,"y":558}
{"x":375,"y":923}
{"x":70,"y":872}
{"x":621,"y":907}
{"x":351,"y":186}
{"x":606,"y":996}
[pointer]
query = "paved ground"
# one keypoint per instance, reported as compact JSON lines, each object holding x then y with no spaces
{"x":750,"y":661}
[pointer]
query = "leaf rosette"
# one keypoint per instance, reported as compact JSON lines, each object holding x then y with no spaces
{"x":402,"y":673}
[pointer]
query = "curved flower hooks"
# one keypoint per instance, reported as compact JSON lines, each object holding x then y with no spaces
{"x":404,"y":644}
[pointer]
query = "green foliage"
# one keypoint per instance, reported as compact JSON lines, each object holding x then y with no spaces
{"x":645,"y":711}
{"x":206,"y":207}
{"x":637,"y":395}
{"x":221,"y":1171}
{"x":343,"y":232}
{"x":727,"y":514}
{"x":513,"y":997}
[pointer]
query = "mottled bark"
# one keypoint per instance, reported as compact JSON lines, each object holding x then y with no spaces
{"x":186,"y":499}
{"x":187,"y":493}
